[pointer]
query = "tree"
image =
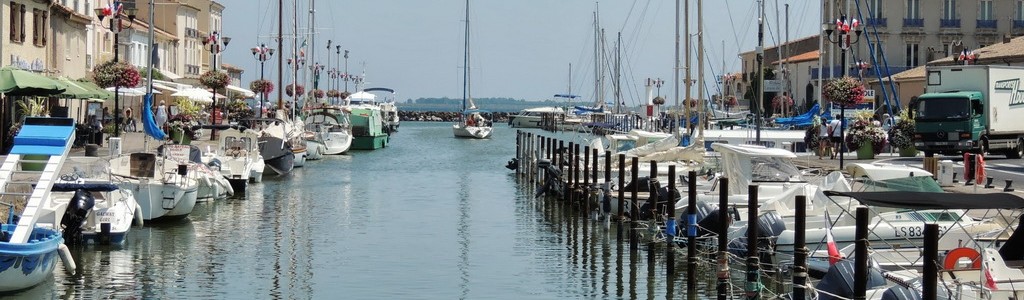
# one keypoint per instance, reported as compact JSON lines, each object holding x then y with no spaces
{"x":769,"y":74}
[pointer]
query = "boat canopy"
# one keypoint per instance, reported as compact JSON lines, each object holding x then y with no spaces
{"x":927,"y":200}
{"x":379,"y":89}
{"x":471,"y":111}
{"x":566,"y":96}
{"x":362,"y":97}
{"x":544,"y":109}
{"x":884,"y":171}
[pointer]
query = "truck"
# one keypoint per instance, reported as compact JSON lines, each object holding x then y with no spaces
{"x":970,"y":108}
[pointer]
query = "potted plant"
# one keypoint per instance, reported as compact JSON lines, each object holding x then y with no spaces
{"x":294,"y":89}
{"x":182,"y":125}
{"x":811,"y":138}
{"x":214,"y":79}
{"x":869,"y":139}
{"x":901,"y":135}
{"x":119,"y":74}
{"x":238,"y":110}
{"x":316,"y":93}
{"x":262,"y":87}
{"x":845,"y":91}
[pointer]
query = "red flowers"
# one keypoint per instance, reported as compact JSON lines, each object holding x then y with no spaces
{"x":214,"y":79}
{"x":844,"y":91}
{"x":119,"y":74}
{"x":262,"y":86}
{"x":294,"y":89}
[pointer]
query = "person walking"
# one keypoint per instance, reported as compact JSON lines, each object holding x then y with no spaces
{"x":834,"y":130}
{"x":824,"y":140}
{"x":161,"y":114}
{"x":129,"y":120}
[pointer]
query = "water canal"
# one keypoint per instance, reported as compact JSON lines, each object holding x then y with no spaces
{"x":429,"y":217}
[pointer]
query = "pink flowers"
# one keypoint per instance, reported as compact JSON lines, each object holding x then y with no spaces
{"x":214,"y":79}
{"x":262,"y":86}
{"x":294,"y":89}
{"x":316,"y":93}
{"x":120,"y":74}
{"x":845,"y":91}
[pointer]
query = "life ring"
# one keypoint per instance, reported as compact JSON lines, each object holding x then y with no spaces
{"x":954,"y":256}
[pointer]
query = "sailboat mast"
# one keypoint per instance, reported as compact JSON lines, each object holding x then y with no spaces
{"x":295,"y":56}
{"x":618,"y":74}
{"x":280,"y":58}
{"x":597,"y":64}
{"x":686,"y":102}
{"x":760,"y":71}
{"x":465,"y":63}
{"x":700,"y":67}
{"x":570,"y":81}
{"x":675,"y":68}
{"x":310,"y":35}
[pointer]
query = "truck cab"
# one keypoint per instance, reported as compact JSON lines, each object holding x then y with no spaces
{"x":948,"y":123}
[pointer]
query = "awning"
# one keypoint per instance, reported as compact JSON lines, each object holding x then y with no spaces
{"x":101,"y":93}
{"x":164,"y":87}
{"x":169,"y":74}
{"x":126,"y":91}
{"x":245,"y":92}
{"x":73,"y":90}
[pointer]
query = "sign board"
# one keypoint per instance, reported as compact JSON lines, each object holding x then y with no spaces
{"x":177,"y":153}
{"x":772,"y":86}
{"x":869,"y":96}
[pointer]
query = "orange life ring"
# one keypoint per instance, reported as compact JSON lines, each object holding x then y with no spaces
{"x":955,"y":255}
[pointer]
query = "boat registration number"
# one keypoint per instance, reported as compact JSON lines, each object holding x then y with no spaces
{"x":912,"y":231}
{"x":106,"y":217}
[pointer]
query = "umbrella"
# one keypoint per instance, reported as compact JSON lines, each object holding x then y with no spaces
{"x":18,"y":82}
{"x":126,"y":91}
{"x":75,"y":90}
{"x":195,"y":94}
{"x":101,"y":93}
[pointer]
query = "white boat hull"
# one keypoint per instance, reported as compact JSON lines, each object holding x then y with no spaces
{"x":336,"y":142}
{"x":314,"y":149}
{"x":164,"y":201}
{"x":476,"y":132}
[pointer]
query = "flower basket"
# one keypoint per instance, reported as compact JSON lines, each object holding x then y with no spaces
{"x":214,"y":79}
{"x":316,"y":93}
{"x":845,"y":91}
{"x":333,"y":93}
{"x":908,"y":152}
{"x":180,"y":136}
{"x":731,"y":101}
{"x":262,"y":86}
{"x":120,"y":74}
{"x":863,"y":133}
{"x":294,"y":89}
{"x":659,"y":100}
{"x":865,"y":151}
{"x":901,"y":135}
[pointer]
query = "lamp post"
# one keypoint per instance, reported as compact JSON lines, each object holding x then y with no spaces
{"x":328,"y":66}
{"x":337,"y":68}
{"x":296,"y":64}
{"x":262,"y":53}
{"x":116,"y":26}
{"x":842,"y":30}
{"x":346,"y":71}
{"x":216,"y":44}
{"x":316,"y":68}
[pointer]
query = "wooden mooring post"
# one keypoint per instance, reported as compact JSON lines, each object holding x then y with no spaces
{"x":670,"y":225}
{"x":753,"y":287}
{"x":622,"y":194}
{"x":723,"y":239}
{"x":519,"y":153}
{"x":634,"y":211}
{"x":586,"y":181}
{"x":691,"y":234}
{"x":653,"y":188}
{"x":576,"y":175}
{"x":860,"y":256}
{"x":800,"y":250}
{"x":930,"y":272}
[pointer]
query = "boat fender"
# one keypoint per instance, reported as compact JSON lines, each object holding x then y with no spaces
{"x":138,"y":216}
{"x":954,"y":256}
{"x":65,"y":257}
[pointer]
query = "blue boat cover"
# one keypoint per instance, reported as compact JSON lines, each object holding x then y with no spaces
{"x":42,"y":139}
{"x":149,"y":122}
{"x":804,"y":119}
{"x":74,"y":186}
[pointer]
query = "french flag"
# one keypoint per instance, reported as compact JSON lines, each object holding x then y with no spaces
{"x":833,"y":251}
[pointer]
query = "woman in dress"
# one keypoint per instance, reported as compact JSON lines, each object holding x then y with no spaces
{"x":161,"y":114}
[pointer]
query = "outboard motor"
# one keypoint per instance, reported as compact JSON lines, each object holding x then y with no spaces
{"x":214,"y":164}
{"x":839,"y":279}
{"x":76,"y":215}
{"x":552,"y":179}
{"x":769,"y":226}
{"x":512,"y":164}
{"x":644,"y":184}
{"x":707,"y":218}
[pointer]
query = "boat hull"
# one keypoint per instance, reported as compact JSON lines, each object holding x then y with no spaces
{"x":26,"y":265}
{"x":369,"y":142}
{"x":277,"y":155}
{"x":475,"y":132}
{"x":336,"y":143}
{"x":161,"y":201}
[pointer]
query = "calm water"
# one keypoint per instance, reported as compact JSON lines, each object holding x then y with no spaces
{"x":429,"y":217}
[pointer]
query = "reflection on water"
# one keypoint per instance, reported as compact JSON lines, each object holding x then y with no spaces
{"x":428,"y":217}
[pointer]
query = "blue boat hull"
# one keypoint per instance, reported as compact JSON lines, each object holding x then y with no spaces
{"x":25,"y":265}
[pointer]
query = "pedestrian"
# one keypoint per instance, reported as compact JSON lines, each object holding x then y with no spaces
{"x":824,"y":140}
{"x":161,"y":114}
{"x":129,"y":123}
{"x":834,"y":131}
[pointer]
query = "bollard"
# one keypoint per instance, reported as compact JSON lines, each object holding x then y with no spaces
{"x":670,"y":224}
{"x":691,"y":233}
{"x":653,"y":198}
{"x":622,"y":191}
{"x":593,"y":167}
{"x":1009,"y":182}
{"x":988,"y":182}
{"x":800,"y":249}
{"x":723,"y":239}
{"x":860,"y":259}
{"x":753,"y":264}
{"x":931,"y":265}
{"x":607,"y":166}
{"x":519,"y":150}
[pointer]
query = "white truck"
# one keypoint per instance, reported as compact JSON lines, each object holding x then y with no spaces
{"x":975,"y":108}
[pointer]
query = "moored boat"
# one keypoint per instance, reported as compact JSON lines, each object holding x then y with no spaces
{"x":368,"y":123}
{"x":330,"y":125}
{"x":164,"y":188}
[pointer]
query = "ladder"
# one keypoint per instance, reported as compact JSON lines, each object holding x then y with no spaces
{"x":38,"y":137}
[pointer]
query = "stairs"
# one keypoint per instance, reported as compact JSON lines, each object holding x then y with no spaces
{"x":45,"y":143}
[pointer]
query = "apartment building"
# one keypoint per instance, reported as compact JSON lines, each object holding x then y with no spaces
{"x":67,"y":53}
{"x":26,"y":35}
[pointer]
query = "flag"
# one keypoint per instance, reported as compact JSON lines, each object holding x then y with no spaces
{"x":833,"y":251}
{"x":303,"y":45}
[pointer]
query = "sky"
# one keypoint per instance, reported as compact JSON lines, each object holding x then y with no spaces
{"x":519,"y":49}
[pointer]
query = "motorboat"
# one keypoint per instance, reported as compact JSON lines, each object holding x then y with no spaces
{"x":237,"y":157}
{"x":388,"y":109}
{"x":368,"y":123}
{"x":99,"y":212}
{"x":533,"y":117}
{"x":165,"y":189}
{"x":274,"y":147}
{"x":330,"y":125}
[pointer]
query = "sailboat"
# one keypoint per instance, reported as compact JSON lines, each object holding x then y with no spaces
{"x":472,"y":123}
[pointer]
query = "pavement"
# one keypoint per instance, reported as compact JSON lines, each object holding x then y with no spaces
{"x":139,"y":142}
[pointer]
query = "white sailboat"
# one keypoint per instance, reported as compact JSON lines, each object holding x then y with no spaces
{"x":472,"y":123}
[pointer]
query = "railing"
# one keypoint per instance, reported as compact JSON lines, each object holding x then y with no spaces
{"x":880,"y":22}
{"x":913,"y":22}
{"x":990,"y":24}
{"x":949,"y":23}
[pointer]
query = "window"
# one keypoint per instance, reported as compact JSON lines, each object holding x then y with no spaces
{"x":875,"y":9}
{"x":985,"y":10}
{"x":949,"y":10}
{"x":913,"y":9}
{"x":879,"y":50}
{"x":945,"y":49}
{"x":39,"y":27}
{"x":913,"y":54}
{"x":17,"y":20}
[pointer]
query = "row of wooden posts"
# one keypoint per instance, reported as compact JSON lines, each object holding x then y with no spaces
{"x":534,"y":152}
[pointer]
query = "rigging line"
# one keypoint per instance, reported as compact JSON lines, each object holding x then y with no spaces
{"x":628,"y":16}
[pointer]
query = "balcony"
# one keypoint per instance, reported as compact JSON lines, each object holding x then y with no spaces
{"x":1018,"y":23}
{"x":879,"y":22}
{"x":917,"y":23}
{"x":949,"y":23}
{"x":987,"y":24}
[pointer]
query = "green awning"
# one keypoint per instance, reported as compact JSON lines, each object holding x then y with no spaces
{"x":74,"y":90}
{"x":101,"y":93}
{"x":18,"y":82}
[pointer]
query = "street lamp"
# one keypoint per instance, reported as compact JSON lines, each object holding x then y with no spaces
{"x":262,"y":53}
{"x":346,"y":71}
{"x":115,"y":15}
{"x":842,"y":30}
{"x":217,"y":44}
